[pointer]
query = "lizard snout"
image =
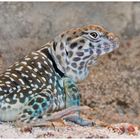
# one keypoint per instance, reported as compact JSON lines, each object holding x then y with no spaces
{"x":114,"y":38}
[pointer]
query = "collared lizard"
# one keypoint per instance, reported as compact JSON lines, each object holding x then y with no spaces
{"x":44,"y":81}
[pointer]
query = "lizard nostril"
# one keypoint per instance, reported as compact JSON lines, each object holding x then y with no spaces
{"x":111,"y":36}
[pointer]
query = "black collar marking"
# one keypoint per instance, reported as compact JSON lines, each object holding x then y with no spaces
{"x":47,"y":53}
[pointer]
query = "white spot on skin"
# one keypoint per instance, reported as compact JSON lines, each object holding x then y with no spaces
{"x":55,"y":91}
{"x":36,"y":86}
{"x":49,"y":86}
{"x":1,"y":97}
{"x":30,"y":92}
{"x":8,"y":82}
{"x":39,"y":65}
{"x":29,"y":67}
{"x":8,"y":86}
{"x":32,"y":85}
{"x":14,"y":88}
{"x":34,"y":89}
{"x":35,"y":57}
{"x":18,"y":90}
{"x":21,"y":95}
{"x":33,"y":75}
{"x":24,"y":88}
{"x":8,"y":70}
{"x":43,"y":58}
{"x":35,"y":69}
{"x":27,"y":86}
{"x":43,"y":78}
{"x":14,"y":75}
{"x":34,"y":53}
{"x":2,"y":84}
{"x":24,"y":75}
{"x":46,"y":72}
{"x":14,"y":97}
{"x":30,"y":81}
{"x":27,"y":58}
{"x":7,"y":73}
{"x":21,"y":81}
{"x":50,"y":61}
{"x":16,"y":64}
{"x":19,"y":69}
{"x":49,"y":74}
{"x":50,"y":81}
{"x":18,"y":87}
{"x":38,"y":80}
{"x":10,"y":90}
{"x":24,"y":62}
{"x":7,"y":100}
{"x":45,"y":63}
{"x":9,"y":77}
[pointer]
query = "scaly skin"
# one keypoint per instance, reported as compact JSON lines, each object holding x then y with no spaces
{"x":44,"y":81}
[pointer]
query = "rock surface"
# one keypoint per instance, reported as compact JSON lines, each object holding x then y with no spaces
{"x":68,"y":131}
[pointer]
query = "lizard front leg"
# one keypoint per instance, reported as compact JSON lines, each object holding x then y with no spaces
{"x":72,"y":98}
{"x":44,"y":104}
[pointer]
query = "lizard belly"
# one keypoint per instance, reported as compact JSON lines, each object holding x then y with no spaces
{"x":9,"y":112}
{"x":9,"y":115}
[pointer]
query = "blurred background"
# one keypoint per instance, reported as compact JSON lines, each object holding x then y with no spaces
{"x":113,"y":86}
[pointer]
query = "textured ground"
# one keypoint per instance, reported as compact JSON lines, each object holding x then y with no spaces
{"x":71,"y":131}
{"x":111,"y":90}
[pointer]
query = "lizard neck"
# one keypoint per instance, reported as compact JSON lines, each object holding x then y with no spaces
{"x":56,"y":60}
{"x":49,"y":53}
{"x":61,"y":53}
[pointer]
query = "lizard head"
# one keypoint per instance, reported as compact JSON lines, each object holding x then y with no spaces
{"x":77,"y":49}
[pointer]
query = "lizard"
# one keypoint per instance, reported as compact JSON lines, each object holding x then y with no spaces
{"x":45,"y":80}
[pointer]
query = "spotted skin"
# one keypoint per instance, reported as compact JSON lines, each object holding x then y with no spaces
{"x":45,"y":80}
{"x":72,"y":95}
{"x":29,"y":84}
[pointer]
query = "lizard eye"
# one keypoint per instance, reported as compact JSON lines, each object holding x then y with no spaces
{"x":94,"y":35}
